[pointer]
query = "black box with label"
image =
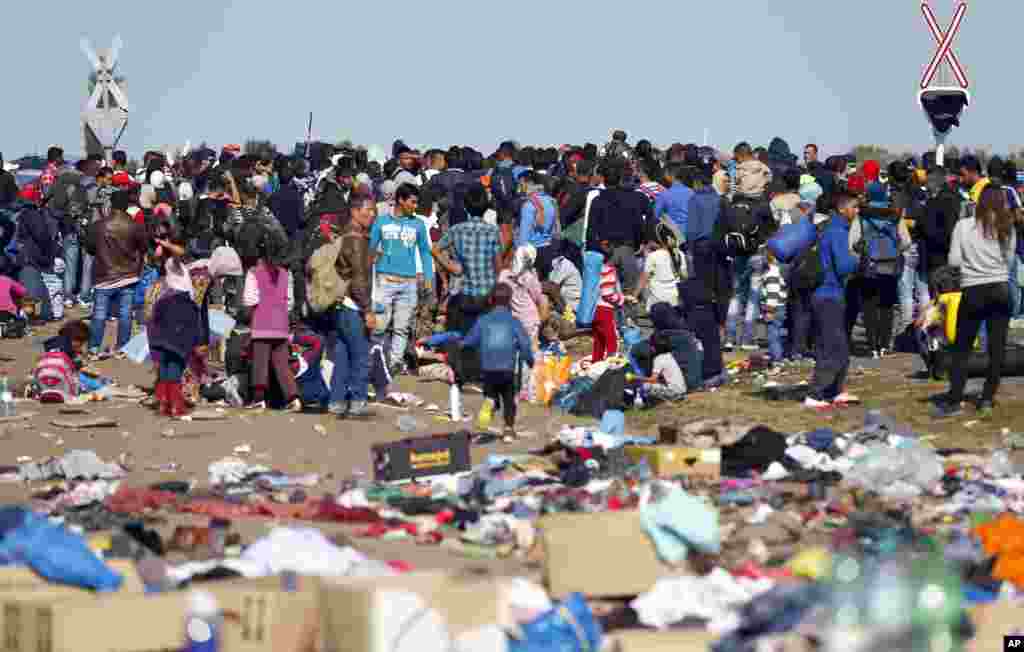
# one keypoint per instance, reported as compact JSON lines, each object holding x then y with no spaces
{"x":419,"y":457}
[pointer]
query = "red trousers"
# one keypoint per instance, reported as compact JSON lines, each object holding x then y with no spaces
{"x":606,"y":338}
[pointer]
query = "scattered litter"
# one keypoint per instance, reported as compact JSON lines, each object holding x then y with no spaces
{"x":80,"y":424}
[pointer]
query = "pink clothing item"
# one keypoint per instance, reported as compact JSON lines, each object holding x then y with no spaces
{"x":611,"y":293}
{"x":527,"y":295}
{"x":10,"y":292}
{"x":270,"y":315}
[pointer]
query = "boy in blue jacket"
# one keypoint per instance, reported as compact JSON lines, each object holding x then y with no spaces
{"x":502,"y":341}
{"x":829,"y":306}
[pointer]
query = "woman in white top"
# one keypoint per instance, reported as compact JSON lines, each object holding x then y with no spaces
{"x":983,"y":247}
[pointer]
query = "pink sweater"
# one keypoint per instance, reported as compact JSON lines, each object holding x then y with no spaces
{"x":526,"y":297}
{"x":10,"y":292}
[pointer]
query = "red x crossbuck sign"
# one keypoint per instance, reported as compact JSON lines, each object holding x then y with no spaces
{"x":945,"y":45}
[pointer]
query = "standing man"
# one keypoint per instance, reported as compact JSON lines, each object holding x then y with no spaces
{"x":476,"y":246}
{"x":674,"y":202}
{"x":119,"y":245}
{"x":829,"y":307}
{"x":355,"y":317}
{"x":394,"y":242}
{"x":620,"y":218}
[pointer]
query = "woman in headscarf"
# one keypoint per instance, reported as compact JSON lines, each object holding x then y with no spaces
{"x":529,"y":305}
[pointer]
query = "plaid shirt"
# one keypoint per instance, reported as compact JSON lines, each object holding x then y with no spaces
{"x":476,"y":245}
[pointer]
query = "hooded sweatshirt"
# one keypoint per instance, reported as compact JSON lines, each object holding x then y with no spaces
{"x":618,"y":216}
{"x":836,"y":259}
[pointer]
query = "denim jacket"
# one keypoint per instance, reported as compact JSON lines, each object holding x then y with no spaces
{"x":499,"y":336}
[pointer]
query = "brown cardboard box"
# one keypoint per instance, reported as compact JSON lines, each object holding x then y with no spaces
{"x":994,"y":621}
{"x":603,"y":554}
{"x":259,"y":617}
{"x":356,"y":616}
{"x":646,"y":640}
{"x":18,"y":579}
{"x":669,"y":461}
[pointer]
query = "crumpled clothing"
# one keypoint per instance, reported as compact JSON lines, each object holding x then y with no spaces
{"x":715,"y":597}
{"x":85,"y":493}
{"x":810,"y":458}
{"x":232,"y":470}
{"x":74,"y":465}
{"x":305,"y":551}
{"x":581,"y":437}
{"x":496,"y":529}
{"x":897,"y":471}
{"x":353,"y":498}
{"x":676,"y":522}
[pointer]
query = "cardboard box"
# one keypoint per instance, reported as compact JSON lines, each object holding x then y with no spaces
{"x":603,"y":554}
{"x":18,"y":579}
{"x":357,"y":615}
{"x":646,"y":640}
{"x":259,"y":617}
{"x":994,"y":621}
{"x":419,"y":457}
{"x":670,"y":461}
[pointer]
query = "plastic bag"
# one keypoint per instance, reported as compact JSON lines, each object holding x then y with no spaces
{"x":221,"y":324}
{"x":569,"y":627}
{"x":58,"y":555}
{"x":569,"y":395}
{"x":137,"y":348}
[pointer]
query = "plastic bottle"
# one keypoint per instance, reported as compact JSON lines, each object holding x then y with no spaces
{"x":6,"y":397}
{"x":455,"y":402}
{"x":202,"y":623}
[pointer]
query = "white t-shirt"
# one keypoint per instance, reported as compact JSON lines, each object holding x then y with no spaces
{"x":665,"y":365}
{"x":565,"y":275}
{"x":662,"y":282}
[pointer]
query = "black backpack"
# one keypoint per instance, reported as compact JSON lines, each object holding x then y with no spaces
{"x":505,"y":192}
{"x":741,"y":227}
{"x":807,"y":272}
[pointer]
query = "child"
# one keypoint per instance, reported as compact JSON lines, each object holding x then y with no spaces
{"x":774,"y":295}
{"x":664,"y":269}
{"x":73,"y":341}
{"x":505,"y":343}
{"x":308,"y":370}
{"x":268,"y":293}
{"x":606,"y":338}
{"x":667,"y":382}
{"x":936,"y":328}
{"x":528,"y":305}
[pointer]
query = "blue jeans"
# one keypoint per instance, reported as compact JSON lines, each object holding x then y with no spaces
{"x":32,"y":279}
{"x":72,"y":252}
{"x":745,"y":300}
{"x":912,"y":281}
{"x":101,"y":311}
{"x":351,"y":375}
{"x":172,"y":366}
{"x":398,"y":300}
{"x":777,"y":334}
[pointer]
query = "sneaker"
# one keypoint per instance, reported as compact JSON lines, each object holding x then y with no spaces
{"x":883,"y":353}
{"x":509,"y":434}
{"x":814,"y":404}
{"x":68,"y":303}
{"x":947,"y":410}
{"x":483,"y":419}
{"x":339,"y":410}
{"x":359,"y":410}
{"x":749,"y":347}
{"x":295,"y":405}
{"x":728,"y":346}
{"x":260,"y":405}
{"x":875,"y":355}
{"x":845,"y":399}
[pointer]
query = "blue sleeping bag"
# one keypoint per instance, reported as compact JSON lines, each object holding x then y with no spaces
{"x":792,"y":240}
{"x":592,"y":264}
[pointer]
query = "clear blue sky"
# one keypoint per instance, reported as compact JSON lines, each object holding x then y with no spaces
{"x":551,"y":71}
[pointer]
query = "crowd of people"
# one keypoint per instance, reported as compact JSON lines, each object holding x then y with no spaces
{"x":357,"y":262}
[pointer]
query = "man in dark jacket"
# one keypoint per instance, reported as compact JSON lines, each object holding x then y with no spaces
{"x":119,"y":245}
{"x":941,"y":212}
{"x":38,"y":246}
{"x":619,"y":217}
{"x":8,"y":186}
{"x":286,"y":203}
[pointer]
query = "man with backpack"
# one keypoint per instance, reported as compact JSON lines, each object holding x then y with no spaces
{"x":832,"y":345}
{"x":745,"y":224}
{"x":619,"y":217}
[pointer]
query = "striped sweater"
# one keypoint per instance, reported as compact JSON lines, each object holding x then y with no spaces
{"x":773,"y":287}
{"x":611,"y":292}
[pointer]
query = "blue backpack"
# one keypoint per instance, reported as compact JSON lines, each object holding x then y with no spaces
{"x":881,"y":257}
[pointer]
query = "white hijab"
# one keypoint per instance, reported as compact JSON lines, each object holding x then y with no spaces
{"x":523,"y":260}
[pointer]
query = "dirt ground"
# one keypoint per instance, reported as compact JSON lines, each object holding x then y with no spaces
{"x":291,"y":444}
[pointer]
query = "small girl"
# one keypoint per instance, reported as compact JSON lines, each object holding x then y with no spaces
{"x":529,"y":305}
{"x":11,"y":295}
{"x":774,"y":295}
{"x":667,"y":382}
{"x":605,"y":334}
{"x":268,"y":293}
{"x":664,"y":269}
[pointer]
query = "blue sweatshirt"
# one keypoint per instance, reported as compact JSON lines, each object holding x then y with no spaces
{"x":836,"y":259}
{"x":529,"y":232}
{"x":397,"y":239}
{"x":705,"y":208}
{"x":499,"y":336}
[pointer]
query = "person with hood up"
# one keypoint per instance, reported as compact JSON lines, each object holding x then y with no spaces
{"x":879,"y":221}
{"x":833,"y":346}
{"x":529,"y":304}
{"x":780,"y":158}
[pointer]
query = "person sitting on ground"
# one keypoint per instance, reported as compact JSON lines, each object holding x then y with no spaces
{"x":666,"y":382}
{"x":72,"y":340}
{"x":502,"y":342}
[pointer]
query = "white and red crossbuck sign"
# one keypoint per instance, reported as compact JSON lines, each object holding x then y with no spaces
{"x":945,"y":45}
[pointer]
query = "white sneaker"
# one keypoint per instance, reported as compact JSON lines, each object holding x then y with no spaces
{"x":815,"y":404}
{"x":876,"y":355}
{"x":750,"y":347}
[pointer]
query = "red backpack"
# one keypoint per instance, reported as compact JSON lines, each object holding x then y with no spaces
{"x":54,"y":378}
